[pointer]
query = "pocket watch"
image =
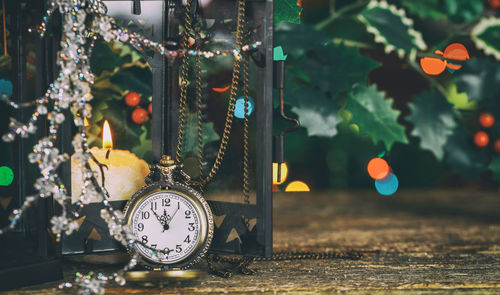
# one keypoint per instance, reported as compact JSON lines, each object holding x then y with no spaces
{"x":169,"y":216}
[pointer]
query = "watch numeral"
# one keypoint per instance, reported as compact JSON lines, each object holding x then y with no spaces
{"x":145,"y":215}
{"x":154,"y":206}
{"x":165,"y":202}
{"x":178,"y":248}
{"x":167,"y":250}
{"x":140,"y":227}
{"x":188,"y":214}
{"x":187,"y":239}
{"x":191,"y":226}
{"x":153,"y":245}
{"x":144,"y":239}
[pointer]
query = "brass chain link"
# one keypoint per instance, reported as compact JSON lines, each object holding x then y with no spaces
{"x":241,"y":264}
{"x":232,"y":96}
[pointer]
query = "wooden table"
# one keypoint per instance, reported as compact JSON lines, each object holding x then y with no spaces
{"x":417,"y":242}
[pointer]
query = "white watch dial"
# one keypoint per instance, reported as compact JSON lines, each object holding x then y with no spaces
{"x":167,"y":221}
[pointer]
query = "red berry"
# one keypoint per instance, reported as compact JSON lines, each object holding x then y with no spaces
{"x":486,"y":119}
{"x":495,"y":4}
{"x":481,"y":139}
{"x":497,"y":146}
{"x":150,"y":108}
{"x":132,"y":99}
{"x":140,"y":116}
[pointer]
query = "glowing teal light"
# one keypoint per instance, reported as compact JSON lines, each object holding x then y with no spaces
{"x":239,"y":108}
{"x":6,"y":176}
{"x":388,"y":185}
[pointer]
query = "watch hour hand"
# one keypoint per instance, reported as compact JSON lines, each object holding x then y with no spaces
{"x":157,"y":217}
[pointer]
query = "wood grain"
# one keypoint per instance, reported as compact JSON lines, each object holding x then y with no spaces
{"x":417,"y":242}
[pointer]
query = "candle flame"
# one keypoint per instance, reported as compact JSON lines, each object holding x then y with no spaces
{"x":107,"y":139}
{"x":85,"y":122}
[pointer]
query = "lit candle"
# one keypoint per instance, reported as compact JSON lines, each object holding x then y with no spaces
{"x":124,"y":174}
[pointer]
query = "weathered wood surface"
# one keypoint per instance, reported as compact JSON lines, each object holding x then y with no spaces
{"x":416,"y":243}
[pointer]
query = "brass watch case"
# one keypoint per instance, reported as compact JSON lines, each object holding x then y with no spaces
{"x":206,"y":228}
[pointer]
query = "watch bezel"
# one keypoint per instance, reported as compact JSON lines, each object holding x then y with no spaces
{"x":206,"y":218}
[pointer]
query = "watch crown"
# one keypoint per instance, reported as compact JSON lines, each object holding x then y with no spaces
{"x":167,"y":161}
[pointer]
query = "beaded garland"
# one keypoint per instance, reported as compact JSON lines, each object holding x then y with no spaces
{"x":84,"y":21}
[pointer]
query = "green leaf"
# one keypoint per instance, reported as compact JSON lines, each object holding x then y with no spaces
{"x":479,"y":78}
{"x":318,"y":115}
{"x":392,"y":28}
{"x":431,"y":9}
{"x":434,"y":121}
{"x":296,"y":39}
{"x":104,"y":59}
{"x":374,"y":115}
{"x":134,"y":79}
{"x":145,"y":145}
{"x":286,"y":11}
{"x":486,"y":36}
{"x":460,"y":11}
{"x":335,"y":68}
{"x":459,"y":100}
{"x":463,"y":156}
{"x":190,"y":143}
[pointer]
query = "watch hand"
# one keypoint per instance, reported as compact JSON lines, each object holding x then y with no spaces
{"x":158,"y":217}
{"x":166,"y":220}
{"x":170,"y":219}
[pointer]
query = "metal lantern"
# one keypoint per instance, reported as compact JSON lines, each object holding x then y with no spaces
{"x":240,"y":228}
{"x":28,"y":255}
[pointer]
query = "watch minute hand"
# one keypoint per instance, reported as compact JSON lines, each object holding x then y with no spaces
{"x":170,"y":219}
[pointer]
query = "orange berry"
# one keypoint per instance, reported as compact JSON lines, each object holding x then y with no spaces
{"x":432,"y":66}
{"x":456,"y":51}
{"x":486,"y":119}
{"x":150,"y":108}
{"x":378,"y":168}
{"x":495,"y":4}
{"x":481,"y":139}
{"x":497,"y":146}
{"x":132,"y":99}
{"x":140,"y":116}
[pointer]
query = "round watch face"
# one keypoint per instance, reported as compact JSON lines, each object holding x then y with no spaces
{"x":170,"y":221}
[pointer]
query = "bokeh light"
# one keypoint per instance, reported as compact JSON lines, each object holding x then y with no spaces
{"x":284,"y":173}
{"x":239,"y":108}
{"x":378,"y":168}
{"x":6,"y":176}
{"x":297,"y":186}
{"x":387,"y":186}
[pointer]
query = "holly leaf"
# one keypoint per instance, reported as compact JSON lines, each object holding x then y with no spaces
{"x":434,"y":121}
{"x":374,"y":115}
{"x":134,"y":79}
{"x":460,"y":11}
{"x":318,"y":115}
{"x":335,"y":68}
{"x":143,"y":150}
{"x":392,"y":28}
{"x":296,"y":39}
{"x":486,"y":36}
{"x":287,"y":11}
{"x":190,"y":140}
{"x":479,"y":78}
{"x":463,"y":156}
{"x":104,"y":59}
{"x":431,"y":9}
{"x":459,"y":100}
